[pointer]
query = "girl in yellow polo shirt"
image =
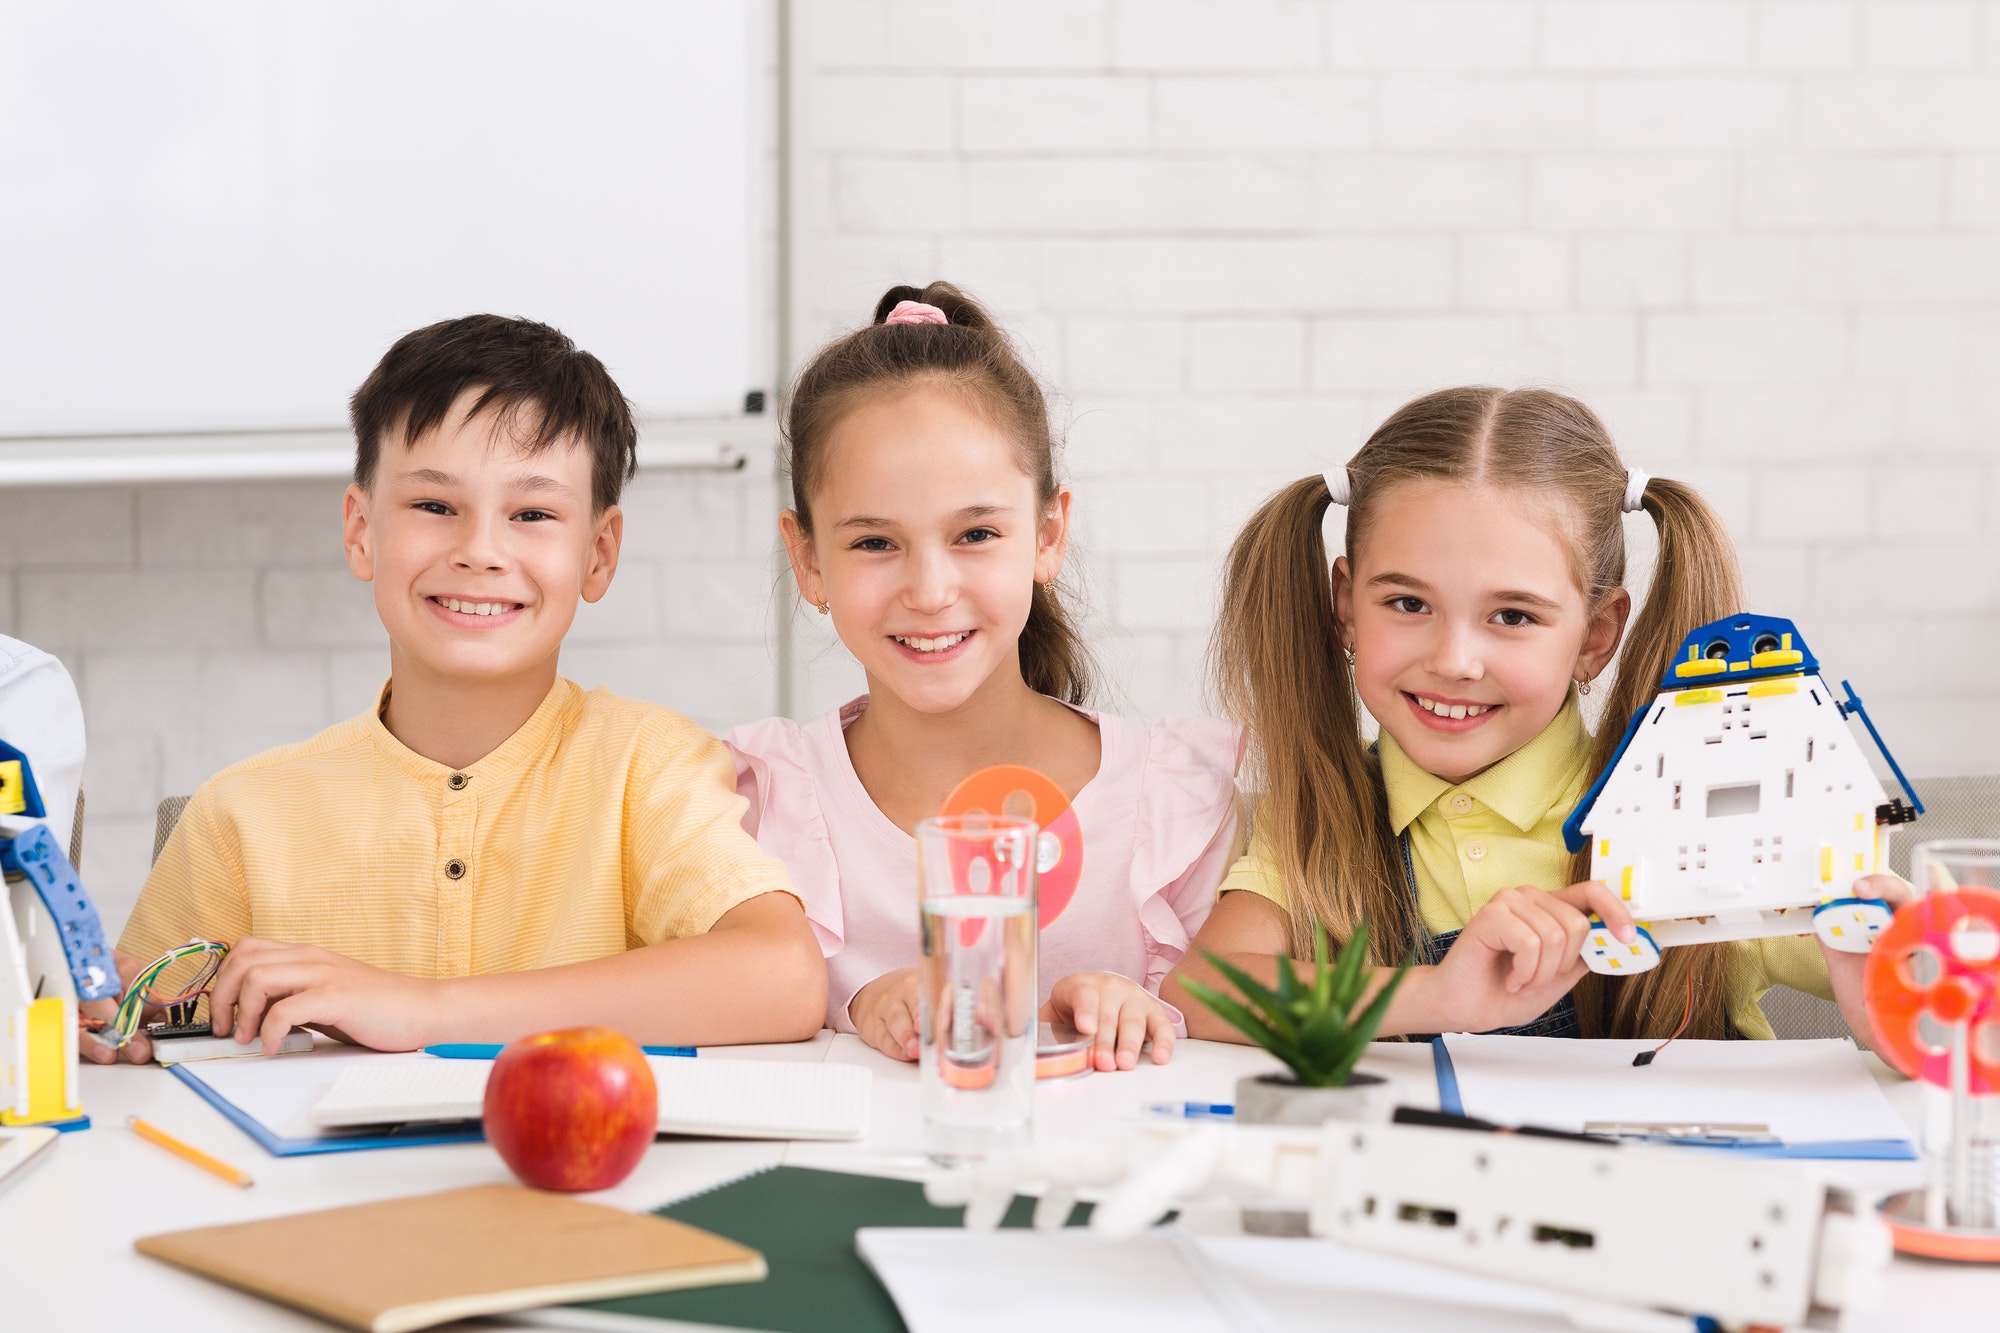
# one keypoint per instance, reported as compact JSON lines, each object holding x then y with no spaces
{"x":1479,"y":595}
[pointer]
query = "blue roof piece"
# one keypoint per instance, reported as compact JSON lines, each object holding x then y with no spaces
{"x":1739,"y":647}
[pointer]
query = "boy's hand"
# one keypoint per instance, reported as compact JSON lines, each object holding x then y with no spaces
{"x":268,"y":988}
{"x":1845,"y":970}
{"x":1518,"y":955}
{"x":1121,"y":1014}
{"x":885,"y":1013}
{"x":94,"y":1048}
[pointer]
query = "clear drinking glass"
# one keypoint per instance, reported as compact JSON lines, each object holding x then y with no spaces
{"x":976,"y":989}
{"x":1961,"y":1131}
{"x":1955,"y":863}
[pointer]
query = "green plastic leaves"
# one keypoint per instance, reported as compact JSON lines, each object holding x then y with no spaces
{"x":1311,"y":1027}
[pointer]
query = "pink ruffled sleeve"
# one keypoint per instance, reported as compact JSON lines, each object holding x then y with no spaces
{"x":1185,"y":833}
{"x":773,"y":774}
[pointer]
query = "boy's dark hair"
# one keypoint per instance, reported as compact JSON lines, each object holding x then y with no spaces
{"x":522,"y":366}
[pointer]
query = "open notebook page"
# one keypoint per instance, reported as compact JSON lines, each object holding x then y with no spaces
{"x":1804,"y":1091}
{"x":721,"y":1098}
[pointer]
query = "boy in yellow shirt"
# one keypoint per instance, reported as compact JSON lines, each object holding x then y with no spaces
{"x":489,"y":851}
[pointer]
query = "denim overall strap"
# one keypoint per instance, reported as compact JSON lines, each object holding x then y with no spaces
{"x":1559,"y":1021}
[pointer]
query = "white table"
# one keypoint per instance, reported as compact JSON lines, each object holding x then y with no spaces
{"x":67,"y":1226}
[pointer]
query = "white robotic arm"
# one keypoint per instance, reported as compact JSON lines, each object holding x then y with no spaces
{"x":1681,"y":1230}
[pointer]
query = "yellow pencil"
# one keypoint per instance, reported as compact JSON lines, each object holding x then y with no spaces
{"x":213,"y":1165}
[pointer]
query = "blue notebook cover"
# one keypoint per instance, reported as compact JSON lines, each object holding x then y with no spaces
{"x":414,"y":1136}
{"x":1832,"y":1150}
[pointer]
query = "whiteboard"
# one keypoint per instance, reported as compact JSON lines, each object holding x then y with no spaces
{"x":216,"y":215}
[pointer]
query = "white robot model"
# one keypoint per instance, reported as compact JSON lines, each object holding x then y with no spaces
{"x":1623,"y":1232}
{"x":1739,"y":805}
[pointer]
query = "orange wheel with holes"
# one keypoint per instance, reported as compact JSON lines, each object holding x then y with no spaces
{"x":1939,"y":960}
{"x":1014,"y":789}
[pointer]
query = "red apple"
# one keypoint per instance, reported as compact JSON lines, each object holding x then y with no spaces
{"x":572,"y":1110}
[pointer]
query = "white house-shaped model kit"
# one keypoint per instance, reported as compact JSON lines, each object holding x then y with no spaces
{"x":1740,"y":805}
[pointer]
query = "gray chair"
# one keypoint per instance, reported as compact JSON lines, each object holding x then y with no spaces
{"x":1953,"y":808}
{"x":164,"y":818}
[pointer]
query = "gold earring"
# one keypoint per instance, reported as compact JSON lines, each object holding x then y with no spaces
{"x":826,"y":608}
{"x":1583,"y":687}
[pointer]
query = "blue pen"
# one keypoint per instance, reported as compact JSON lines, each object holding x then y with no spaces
{"x":1194,"y":1110}
{"x":473,"y":1050}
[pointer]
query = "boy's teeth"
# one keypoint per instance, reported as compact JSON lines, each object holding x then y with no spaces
{"x":936,"y":645}
{"x":474,"y":608}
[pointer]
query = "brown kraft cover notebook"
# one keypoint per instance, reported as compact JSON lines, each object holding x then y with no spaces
{"x":411,"y":1263}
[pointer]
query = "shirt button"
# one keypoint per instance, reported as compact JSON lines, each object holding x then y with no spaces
{"x":1475,"y":851}
{"x":1461,"y":803}
{"x":457,"y":781}
{"x":455,"y":868}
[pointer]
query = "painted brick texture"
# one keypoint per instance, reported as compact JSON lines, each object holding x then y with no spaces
{"x":1762,"y":237}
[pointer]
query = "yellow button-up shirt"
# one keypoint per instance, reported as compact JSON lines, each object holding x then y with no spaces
{"x":1501,"y":828}
{"x":603,"y":824}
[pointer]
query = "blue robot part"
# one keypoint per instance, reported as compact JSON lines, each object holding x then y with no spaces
{"x":91,"y":965}
{"x":1741,"y":647}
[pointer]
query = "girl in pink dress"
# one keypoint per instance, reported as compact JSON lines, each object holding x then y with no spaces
{"x":928,"y":523}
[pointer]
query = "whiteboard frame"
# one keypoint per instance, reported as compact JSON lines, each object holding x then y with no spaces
{"x":703,"y":443}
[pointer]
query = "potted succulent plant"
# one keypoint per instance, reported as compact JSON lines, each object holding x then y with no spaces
{"x":1312,"y":1028}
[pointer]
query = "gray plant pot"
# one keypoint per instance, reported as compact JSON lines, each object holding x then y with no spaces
{"x":1278,"y":1099}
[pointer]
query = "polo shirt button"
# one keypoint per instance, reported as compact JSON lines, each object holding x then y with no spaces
{"x":1475,"y":851}
{"x":454,"y":869}
{"x":1461,"y":803}
{"x":457,"y":781}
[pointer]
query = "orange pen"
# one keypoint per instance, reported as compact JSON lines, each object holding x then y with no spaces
{"x":215,"y":1166}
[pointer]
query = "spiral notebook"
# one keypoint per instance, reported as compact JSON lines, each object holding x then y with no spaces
{"x":708,"y":1098}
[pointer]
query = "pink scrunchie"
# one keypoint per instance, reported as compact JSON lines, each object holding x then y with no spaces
{"x":916,"y":312}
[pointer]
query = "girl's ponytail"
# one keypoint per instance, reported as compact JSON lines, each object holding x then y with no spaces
{"x":1279,"y":668}
{"x":1695,"y":580}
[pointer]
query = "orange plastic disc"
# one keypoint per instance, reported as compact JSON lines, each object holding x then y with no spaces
{"x":1937,"y":961}
{"x":1022,"y":792}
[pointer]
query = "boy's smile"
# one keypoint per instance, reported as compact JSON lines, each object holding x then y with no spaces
{"x":478,"y":550}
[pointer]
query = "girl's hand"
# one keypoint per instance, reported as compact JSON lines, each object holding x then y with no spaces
{"x":885,"y":1013}
{"x":1120,"y":1014}
{"x":1845,"y":970}
{"x":1518,"y":955}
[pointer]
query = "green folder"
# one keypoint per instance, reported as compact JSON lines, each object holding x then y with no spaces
{"x":804,"y":1223}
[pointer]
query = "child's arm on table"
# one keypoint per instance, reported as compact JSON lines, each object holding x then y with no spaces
{"x":690,"y":991}
{"x":1517,"y":956}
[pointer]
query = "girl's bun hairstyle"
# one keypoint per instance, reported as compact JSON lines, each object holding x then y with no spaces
{"x":1279,"y":667}
{"x":973,"y":356}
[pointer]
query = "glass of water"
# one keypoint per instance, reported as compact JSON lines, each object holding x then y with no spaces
{"x":976,"y":985}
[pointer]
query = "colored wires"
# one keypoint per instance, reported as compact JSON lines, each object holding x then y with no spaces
{"x":180,"y":1007}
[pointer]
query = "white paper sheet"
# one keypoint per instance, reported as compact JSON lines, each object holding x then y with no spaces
{"x":948,"y":1280}
{"x":1805,"y":1091}
{"x":707,"y":1096}
{"x":279,"y":1093}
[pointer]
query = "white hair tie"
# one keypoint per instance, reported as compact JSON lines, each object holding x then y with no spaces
{"x":1338,"y":485}
{"x":1635,"y":490}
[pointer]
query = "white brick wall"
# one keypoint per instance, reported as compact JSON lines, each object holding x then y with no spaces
{"x":1761,"y":236}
